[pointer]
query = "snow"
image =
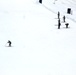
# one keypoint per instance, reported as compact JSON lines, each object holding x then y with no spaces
{"x":38,"y":47}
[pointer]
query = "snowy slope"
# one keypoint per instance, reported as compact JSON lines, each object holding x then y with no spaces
{"x":62,"y":6}
{"x":39,"y":48}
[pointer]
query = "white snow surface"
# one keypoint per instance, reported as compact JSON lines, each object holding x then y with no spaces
{"x":38,"y":47}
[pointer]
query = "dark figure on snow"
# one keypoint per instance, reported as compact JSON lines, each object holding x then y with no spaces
{"x":59,"y":24}
{"x":63,"y":18}
{"x":58,"y":14}
{"x":67,"y":25}
{"x":40,"y":1}
{"x":9,"y":43}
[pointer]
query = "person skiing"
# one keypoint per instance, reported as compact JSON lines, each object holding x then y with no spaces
{"x":9,"y":42}
{"x":58,"y":14}
{"x":59,"y":23}
{"x":63,"y":18}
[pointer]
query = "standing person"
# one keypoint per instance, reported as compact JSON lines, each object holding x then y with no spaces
{"x":9,"y":42}
{"x":63,"y":18}
{"x":59,"y":24}
{"x":58,"y":14}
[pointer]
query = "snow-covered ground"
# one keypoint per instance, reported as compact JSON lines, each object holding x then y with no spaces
{"x":62,"y":6}
{"x":38,"y":47}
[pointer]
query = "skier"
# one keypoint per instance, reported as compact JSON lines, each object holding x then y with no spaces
{"x":63,"y":18}
{"x":67,"y":25}
{"x":58,"y":14}
{"x":9,"y":42}
{"x":59,"y":23}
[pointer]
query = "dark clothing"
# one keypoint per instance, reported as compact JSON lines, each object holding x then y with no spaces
{"x":9,"y":43}
{"x":63,"y":18}
{"x":59,"y":24}
{"x":58,"y":20}
{"x":40,"y":1}
{"x":67,"y":25}
{"x":58,"y":15}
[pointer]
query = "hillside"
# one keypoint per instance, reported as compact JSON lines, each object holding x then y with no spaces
{"x":38,"y":46}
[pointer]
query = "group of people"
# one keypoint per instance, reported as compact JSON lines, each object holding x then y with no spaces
{"x":59,"y":23}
